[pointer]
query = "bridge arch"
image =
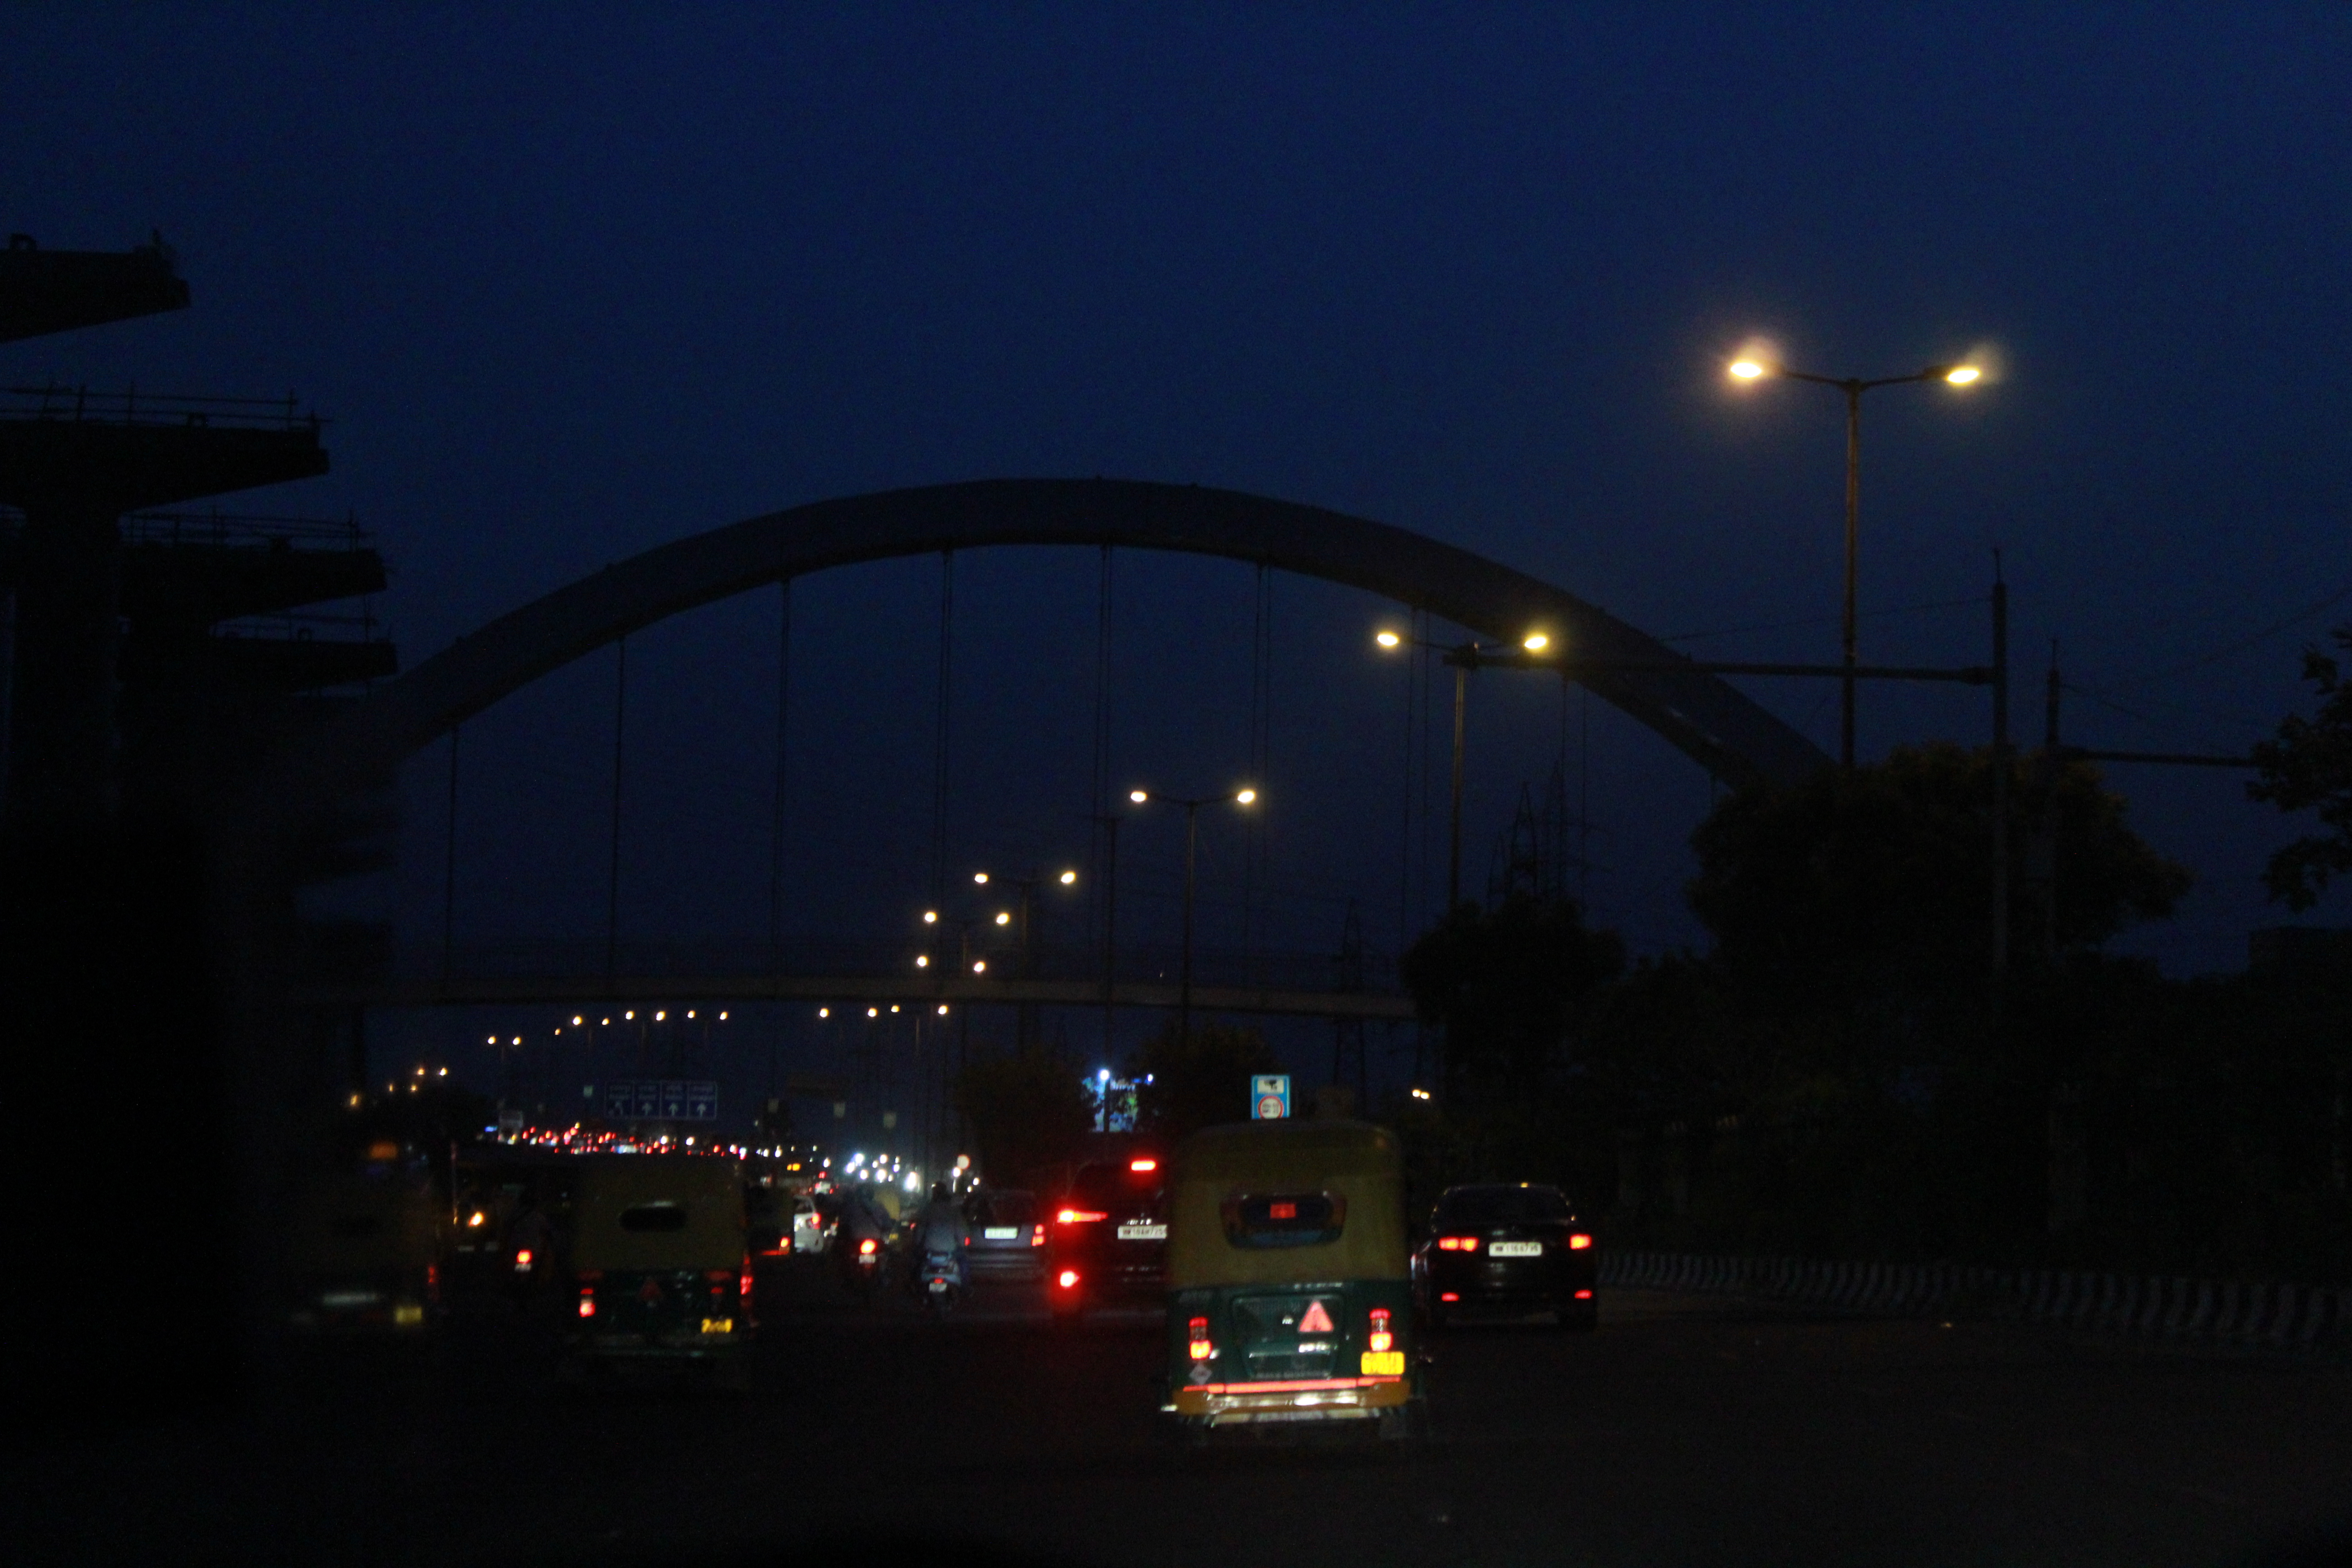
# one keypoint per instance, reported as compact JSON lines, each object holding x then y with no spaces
{"x":1712,"y":722}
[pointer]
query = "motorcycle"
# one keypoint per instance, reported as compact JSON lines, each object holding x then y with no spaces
{"x":941,"y":1280}
{"x":860,"y":1265}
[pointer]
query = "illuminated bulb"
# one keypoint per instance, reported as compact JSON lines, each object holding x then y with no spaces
{"x":980,"y":877}
{"x":1138,"y":796}
{"x":873,"y":1012}
{"x":722,"y":1015}
{"x":1068,"y":877}
{"x":1535,"y":642}
{"x":943,"y":1009}
{"x":894,"y":1006}
{"x":1745,"y":369}
{"x":922,"y":961}
{"x":930,"y":917}
{"x":980,"y":966}
{"x":1388,"y":639}
{"x":1962,"y":375}
{"x":1004,"y":917}
{"x":575,"y":1020}
{"x":1245,"y":797}
{"x":824,"y":1011}
{"x":661,"y":1017}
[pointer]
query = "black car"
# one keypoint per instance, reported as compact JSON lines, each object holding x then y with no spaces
{"x":1008,"y":1237}
{"x":1106,"y":1239}
{"x":1508,"y":1250}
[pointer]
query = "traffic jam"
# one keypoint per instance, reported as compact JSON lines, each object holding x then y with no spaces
{"x":1278,"y":1257}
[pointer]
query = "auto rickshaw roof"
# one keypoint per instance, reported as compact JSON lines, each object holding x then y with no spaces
{"x":1353,"y":1161}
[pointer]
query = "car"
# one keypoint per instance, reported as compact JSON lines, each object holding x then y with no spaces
{"x":1008,"y":1237}
{"x":810,"y":1231}
{"x":1106,"y":1238}
{"x":1507,"y":1249}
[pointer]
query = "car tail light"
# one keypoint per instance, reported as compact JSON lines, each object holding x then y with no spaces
{"x":1067,"y":1279}
{"x":1449,"y":1295}
{"x":1201,"y":1347}
{"x":1579,"y":1243}
{"x":1079,"y":1216}
{"x":523,"y":1260}
{"x":1380,"y":1339}
{"x":1457,"y":1243}
{"x":433,"y":1283}
{"x":1584,"y":1295}
{"x":1037,"y":1236}
{"x":743,"y":1286}
{"x":587,"y":1303}
{"x":865,"y":1247}
{"x":1143,"y":1165}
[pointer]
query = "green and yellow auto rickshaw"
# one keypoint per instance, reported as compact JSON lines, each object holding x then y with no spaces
{"x":1290,"y":1294}
{"x":365,"y":1249}
{"x":660,"y":1266}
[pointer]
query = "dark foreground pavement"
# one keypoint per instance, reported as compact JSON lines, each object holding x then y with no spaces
{"x":1687,"y":1430}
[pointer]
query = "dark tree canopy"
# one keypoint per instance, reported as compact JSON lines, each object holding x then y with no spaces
{"x":1199,"y":1081}
{"x":2309,"y":768}
{"x":1879,"y":881}
{"x":1506,"y":983}
{"x":1025,"y":1109}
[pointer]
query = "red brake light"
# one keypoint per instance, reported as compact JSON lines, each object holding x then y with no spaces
{"x":1380,"y":1338}
{"x":587,"y":1303}
{"x":1584,"y":1295}
{"x":865,"y":1247}
{"x":1067,"y":1279}
{"x":1198,"y":1336}
{"x":1079,"y":1216}
{"x":1449,"y":1295}
{"x":1579,"y":1243}
{"x":1037,"y":1236}
{"x":1143,"y":1165}
{"x":744,"y":1286}
{"x":1282,"y":1211}
{"x":1457,"y":1243}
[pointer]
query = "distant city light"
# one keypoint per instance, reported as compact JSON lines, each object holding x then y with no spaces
{"x":943,"y":1009}
{"x":980,"y":966}
{"x":922,"y":961}
{"x":1005,"y":916}
{"x":824,"y":1011}
{"x":930,"y":917}
{"x":980,"y":877}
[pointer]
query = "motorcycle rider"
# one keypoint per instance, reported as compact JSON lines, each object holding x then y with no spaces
{"x":943,"y":1233}
{"x":863,"y":1219}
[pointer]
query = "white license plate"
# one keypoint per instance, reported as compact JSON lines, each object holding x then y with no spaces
{"x":1516,"y":1250}
{"x":1003,"y":1233}
{"x":1143,"y":1233}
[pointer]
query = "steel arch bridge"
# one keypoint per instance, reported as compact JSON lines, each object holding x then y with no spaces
{"x":1708,"y":720}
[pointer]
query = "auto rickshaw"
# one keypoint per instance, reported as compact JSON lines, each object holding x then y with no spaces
{"x":660,"y":1266}
{"x":1290,"y":1296}
{"x":366,"y":1244}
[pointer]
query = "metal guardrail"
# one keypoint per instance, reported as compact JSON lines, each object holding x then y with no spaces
{"x":79,"y":405}
{"x":243,"y":530}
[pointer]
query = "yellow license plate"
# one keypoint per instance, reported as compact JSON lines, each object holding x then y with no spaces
{"x":718,"y":1325}
{"x":407,"y":1315}
{"x":1383,"y":1363}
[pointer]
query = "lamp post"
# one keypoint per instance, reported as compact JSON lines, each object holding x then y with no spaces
{"x":1853,"y":387}
{"x":1026,"y":936}
{"x":1464,"y":658}
{"x":1243,"y":796}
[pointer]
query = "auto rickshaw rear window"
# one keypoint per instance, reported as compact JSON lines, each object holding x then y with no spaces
{"x":1285,"y":1219}
{"x":654,"y":1216}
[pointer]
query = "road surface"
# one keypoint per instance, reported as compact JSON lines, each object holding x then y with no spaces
{"x":1685,"y":1431}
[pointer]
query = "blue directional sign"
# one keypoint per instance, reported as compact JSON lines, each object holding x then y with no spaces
{"x":661,"y":1099}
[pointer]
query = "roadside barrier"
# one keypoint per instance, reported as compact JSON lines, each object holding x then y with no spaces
{"x":2274,"y":1314}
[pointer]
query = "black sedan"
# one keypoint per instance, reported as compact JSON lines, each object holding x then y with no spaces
{"x":1508,"y":1250}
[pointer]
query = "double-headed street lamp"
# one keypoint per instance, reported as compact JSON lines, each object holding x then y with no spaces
{"x":1243,"y":796}
{"x":1465,"y":657}
{"x":1853,"y":387}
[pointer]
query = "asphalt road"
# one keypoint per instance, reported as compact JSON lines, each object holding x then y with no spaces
{"x":1685,"y":1431}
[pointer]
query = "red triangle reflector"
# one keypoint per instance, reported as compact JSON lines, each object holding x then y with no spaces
{"x":1316,"y":1320}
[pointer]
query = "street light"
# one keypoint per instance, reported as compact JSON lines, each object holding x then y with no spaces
{"x":1245,"y":796}
{"x":1465,"y":658}
{"x":1853,"y":387}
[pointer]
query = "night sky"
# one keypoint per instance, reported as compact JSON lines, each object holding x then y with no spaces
{"x":573,"y":282}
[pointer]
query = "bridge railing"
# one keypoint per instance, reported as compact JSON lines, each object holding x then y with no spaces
{"x":588,"y":961}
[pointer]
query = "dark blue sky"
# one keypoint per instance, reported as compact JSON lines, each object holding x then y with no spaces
{"x":573,"y":282}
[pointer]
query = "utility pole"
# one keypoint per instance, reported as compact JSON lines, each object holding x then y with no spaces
{"x":1453,"y":851}
{"x":1999,"y":780}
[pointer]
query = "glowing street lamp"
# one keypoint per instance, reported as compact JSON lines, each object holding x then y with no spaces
{"x":1747,"y":369}
{"x":1243,"y":796}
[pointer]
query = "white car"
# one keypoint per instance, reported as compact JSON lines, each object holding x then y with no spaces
{"x":808,"y":1233}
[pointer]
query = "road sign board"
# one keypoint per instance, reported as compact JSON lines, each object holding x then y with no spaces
{"x":1269,"y":1096}
{"x":661,"y":1099}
